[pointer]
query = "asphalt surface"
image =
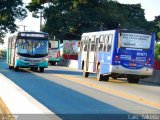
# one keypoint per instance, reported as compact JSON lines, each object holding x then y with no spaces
{"x":71,"y":100}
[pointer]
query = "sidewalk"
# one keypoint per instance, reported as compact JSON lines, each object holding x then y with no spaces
{"x":15,"y":102}
{"x":3,"y":108}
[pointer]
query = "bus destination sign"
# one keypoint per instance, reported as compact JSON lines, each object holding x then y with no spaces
{"x":32,"y":35}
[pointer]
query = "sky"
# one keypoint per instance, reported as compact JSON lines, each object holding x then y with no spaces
{"x":31,"y":23}
{"x":151,"y":9}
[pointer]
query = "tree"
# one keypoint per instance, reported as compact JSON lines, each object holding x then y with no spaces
{"x":70,"y":18}
{"x":10,"y":10}
{"x":157,"y":51}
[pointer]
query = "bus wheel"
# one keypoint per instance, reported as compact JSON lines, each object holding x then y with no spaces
{"x":82,"y":64}
{"x":106,"y":77}
{"x":31,"y":68}
{"x":41,"y":69}
{"x":10,"y":67}
{"x":53,"y":63}
{"x":16,"y":68}
{"x":133,"y":80}
{"x":100,"y":77}
{"x":36,"y":68}
{"x":85,"y":74}
{"x":114,"y":77}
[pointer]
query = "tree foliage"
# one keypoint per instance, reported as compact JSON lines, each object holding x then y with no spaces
{"x":157,"y":51}
{"x":10,"y":10}
{"x":67,"y":19}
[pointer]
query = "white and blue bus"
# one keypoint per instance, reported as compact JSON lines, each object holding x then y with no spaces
{"x":117,"y":54}
{"x":28,"y":50}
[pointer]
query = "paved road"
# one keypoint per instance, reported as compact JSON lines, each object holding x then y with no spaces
{"x":70,"y":96}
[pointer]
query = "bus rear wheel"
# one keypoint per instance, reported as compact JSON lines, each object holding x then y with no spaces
{"x":16,"y":68}
{"x":53,"y":63}
{"x":85,"y":74}
{"x":133,"y":80}
{"x":10,"y":67}
{"x":41,"y":69}
{"x":101,"y":77}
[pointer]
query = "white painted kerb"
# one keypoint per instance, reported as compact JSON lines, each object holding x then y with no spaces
{"x":18,"y":101}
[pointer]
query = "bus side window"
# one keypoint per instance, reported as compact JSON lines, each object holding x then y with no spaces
{"x":100,"y":47}
{"x":85,"y":47}
{"x":109,"y":44}
{"x":100,"y":43}
{"x":82,"y":43}
{"x":105,"y":43}
{"x":93,"y":44}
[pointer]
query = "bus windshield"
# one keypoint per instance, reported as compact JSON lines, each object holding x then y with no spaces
{"x":54,"y":44}
{"x":30,"y":46}
{"x":135,"y":40}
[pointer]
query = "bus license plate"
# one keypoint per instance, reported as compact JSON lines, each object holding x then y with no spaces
{"x":31,"y":62}
{"x":132,"y":64}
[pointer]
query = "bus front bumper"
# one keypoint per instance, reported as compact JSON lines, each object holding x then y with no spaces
{"x":28,"y":64}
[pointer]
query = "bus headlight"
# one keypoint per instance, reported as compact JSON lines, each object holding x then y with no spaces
{"x":46,"y":59}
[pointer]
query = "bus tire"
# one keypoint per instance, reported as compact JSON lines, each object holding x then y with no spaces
{"x":34,"y":69}
{"x":31,"y":68}
{"x":103,"y":78}
{"x":85,"y":74}
{"x":133,"y":80}
{"x":114,"y":77}
{"x":100,"y":77}
{"x":41,"y":69}
{"x":10,"y":67}
{"x":53,"y":63}
{"x":82,"y":64}
{"x":16,"y":68}
{"x":106,"y":78}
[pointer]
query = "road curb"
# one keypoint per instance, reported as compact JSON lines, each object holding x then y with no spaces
{"x":19,"y":102}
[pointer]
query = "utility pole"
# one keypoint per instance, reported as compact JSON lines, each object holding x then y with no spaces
{"x":41,"y":20}
{"x":24,"y":27}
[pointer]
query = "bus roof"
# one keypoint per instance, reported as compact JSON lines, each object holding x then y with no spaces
{"x":99,"y":32}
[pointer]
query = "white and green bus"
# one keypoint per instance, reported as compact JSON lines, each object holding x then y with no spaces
{"x":28,"y":50}
{"x":54,"y":52}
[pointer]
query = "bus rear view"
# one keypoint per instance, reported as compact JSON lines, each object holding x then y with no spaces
{"x":117,"y":54}
{"x":133,"y":57}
